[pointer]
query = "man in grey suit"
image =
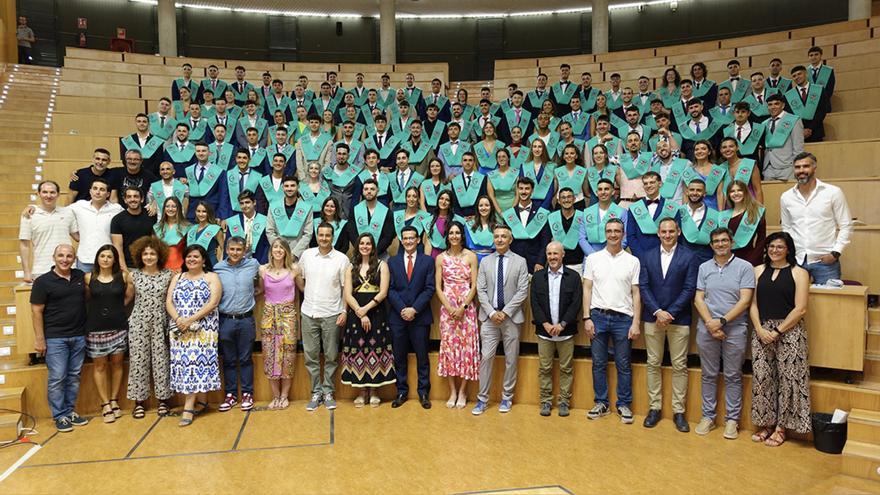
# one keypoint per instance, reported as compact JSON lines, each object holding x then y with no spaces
{"x":783,"y":140}
{"x":502,"y":287}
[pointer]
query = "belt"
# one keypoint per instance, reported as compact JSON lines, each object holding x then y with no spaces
{"x":238,"y":316}
{"x":610,"y":312}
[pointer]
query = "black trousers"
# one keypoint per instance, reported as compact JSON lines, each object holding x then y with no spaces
{"x":415,"y":338}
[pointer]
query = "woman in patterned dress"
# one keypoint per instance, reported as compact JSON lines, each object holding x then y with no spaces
{"x":280,"y":321}
{"x":367,"y":357}
{"x":194,"y":321}
{"x":781,"y":383}
{"x":172,"y":228}
{"x":456,"y":279}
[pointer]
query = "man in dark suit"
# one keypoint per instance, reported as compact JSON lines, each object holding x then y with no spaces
{"x":645,"y":215}
{"x":557,"y":297}
{"x":528,"y":222}
{"x":667,"y":283}
{"x":410,"y":293}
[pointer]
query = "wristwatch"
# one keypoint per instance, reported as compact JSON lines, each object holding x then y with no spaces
{"x":723,"y":321}
{"x":835,"y":254}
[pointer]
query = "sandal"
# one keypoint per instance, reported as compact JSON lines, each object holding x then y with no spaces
{"x":273,"y":405}
{"x":163,"y":409}
{"x":776,"y":439}
{"x":138,"y":412}
{"x":114,"y":404}
{"x":761,"y":435}
{"x":184,"y":421}
{"x":283,"y":403}
{"x":201,"y":408}
{"x":375,"y":401}
{"x":359,"y":401}
{"x":109,"y":417}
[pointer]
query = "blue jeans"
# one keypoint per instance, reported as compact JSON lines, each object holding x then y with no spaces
{"x":236,"y":345}
{"x":64,"y":360}
{"x":822,"y":272}
{"x":616,"y":329}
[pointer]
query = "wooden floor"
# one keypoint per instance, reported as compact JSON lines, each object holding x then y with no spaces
{"x":409,"y":450}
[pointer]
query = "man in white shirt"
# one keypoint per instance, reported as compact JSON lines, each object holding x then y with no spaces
{"x":93,"y":221}
{"x":817,"y":217}
{"x":48,"y":227}
{"x":611,"y":292}
{"x":321,"y":280}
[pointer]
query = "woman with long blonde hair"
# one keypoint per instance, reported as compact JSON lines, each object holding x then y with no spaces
{"x":746,"y":219}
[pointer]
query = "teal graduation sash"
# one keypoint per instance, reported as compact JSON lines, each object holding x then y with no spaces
{"x":760,"y":109}
{"x":232,"y":177}
{"x":359,"y":99}
{"x":589,"y":101}
{"x":824,"y":74}
{"x":525,"y":117}
{"x":231,"y":122}
{"x":235,"y":112}
{"x":595,"y":226}
{"x":260,"y":124}
{"x":563,"y":97}
{"x":388,"y":146}
{"x":784,"y":126}
{"x":517,"y":160}
{"x":153,"y":143}
{"x":192,"y":85}
{"x":655,"y":140}
{"x":715,"y":178}
{"x":542,"y":187}
{"x":442,"y":100}
{"x":745,"y":231}
{"x":170,"y":236}
{"x":381,"y":178}
{"x":341,"y":180}
{"x":180,"y":112}
{"x":740,"y":93}
{"x":670,"y":98}
{"x":750,"y":145}
{"x":177,"y":187}
{"x":610,"y":146}
{"x":419,"y":222}
{"x":487,"y":159}
{"x":609,"y":172}
{"x":268,"y":187}
{"x":224,"y":157}
{"x":722,"y":119}
{"x":743,"y":172}
{"x":416,"y":156}
{"x":430,"y":192}
{"x":468,"y":112}
{"x":698,"y":235}
{"x":438,"y":240}
{"x":569,"y":239}
{"x":530,"y":231}
{"x":208,"y":112}
{"x":338,"y":227}
{"x":398,"y":194}
{"x":157,"y":129}
{"x":679,"y":114}
{"x":401,"y":129}
{"x":805,"y":111}
{"x":291,"y":226}
{"x":218,"y":91}
{"x":552,"y":143}
{"x":481,"y":238}
{"x":354,"y":148}
{"x":634,"y":169}
{"x":478,"y":129}
{"x":673,"y":177}
{"x":704,"y":88}
{"x":257,"y":159}
{"x":197,"y":133}
{"x":370,"y":225}
{"x":258,"y":228}
{"x":201,"y":189}
{"x":579,"y":124}
{"x":467,"y":196}
{"x":611,"y":102}
{"x":437,"y":134}
{"x":316,"y":200}
{"x":647,"y":224}
{"x":388,"y":100}
{"x":282,"y":104}
{"x":536,"y":101}
{"x":312,"y":152}
{"x":413,"y":97}
{"x":615,"y":121}
{"x":707,"y":133}
{"x":287,"y":151}
{"x":203,"y":238}
{"x":180,"y":156}
{"x":573,"y":181}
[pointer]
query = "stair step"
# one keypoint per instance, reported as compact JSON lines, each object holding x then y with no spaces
{"x":872,"y":367}
{"x":9,"y":426}
{"x":13,"y":398}
{"x":864,"y":426}
{"x":873,"y":316}
{"x":872,"y":344}
{"x":861,"y":459}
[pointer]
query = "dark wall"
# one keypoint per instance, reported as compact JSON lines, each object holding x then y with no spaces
{"x":469,"y":45}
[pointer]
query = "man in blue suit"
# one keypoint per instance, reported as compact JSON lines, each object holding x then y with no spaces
{"x":410,"y":293}
{"x":645,"y":215}
{"x":667,"y":283}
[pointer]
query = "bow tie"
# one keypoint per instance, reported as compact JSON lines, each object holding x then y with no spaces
{"x":652,"y":201}
{"x":734,"y":78}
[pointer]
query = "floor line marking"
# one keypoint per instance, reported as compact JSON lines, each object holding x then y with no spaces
{"x":144,"y":437}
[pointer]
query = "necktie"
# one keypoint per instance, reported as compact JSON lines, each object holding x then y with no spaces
{"x":219,"y":149}
{"x":697,"y":130}
{"x":253,"y":150}
{"x":201,"y":174}
{"x":379,"y":138}
{"x":435,"y":99}
{"x":375,"y":177}
{"x":240,"y":87}
{"x":467,"y":181}
{"x":409,"y":267}
{"x":499,"y":284}
{"x":761,"y":99}
{"x":162,"y":121}
{"x":214,"y":83}
{"x":241,"y":182}
{"x":804,"y":94}
{"x":739,"y":133}
{"x":540,"y":93}
{"x":723,"y":110}
{"x":518,"y":111}
{"x":577,"y":115}
{"x":698,"y":85}
{"x":400,"y":181}
{"x":180,"y":146}
{"x":773,"y":83}
{"x":195,"y":123}
{"x":815,"y":74}
{"x":773,"y":125}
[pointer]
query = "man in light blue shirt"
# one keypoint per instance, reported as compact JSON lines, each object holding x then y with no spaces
{"x":237,"y":331}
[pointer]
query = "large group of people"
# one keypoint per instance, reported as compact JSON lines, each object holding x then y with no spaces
{"x":350,"y":210}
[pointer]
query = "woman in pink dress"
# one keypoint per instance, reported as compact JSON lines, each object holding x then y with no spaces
{"x":456,"y":274}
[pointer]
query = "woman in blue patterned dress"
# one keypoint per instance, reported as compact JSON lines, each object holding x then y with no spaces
{"x":194,"y":324}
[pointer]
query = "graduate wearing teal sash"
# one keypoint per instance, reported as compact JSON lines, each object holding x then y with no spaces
{"x":573,"y":179}
{"x":592,"y":233}
{"x":388,"y":146}
{"x":594,"y":175}
{"x":466,"y":195}
{"x":429,"y":192}
{"x":579,"y":121}
{"x":379,"y":224}
{"x":342,"y":184}
{"x":267,"y":185}
{"x":587,"y":98}
{"x":529,"y":231}
{"x":290,"y":220}
{"x":759,"y":109}
{"x":316,"y":200}
{"x":313,"y":151}
{"x":641,"y":226}
{"x":180,"y":157}
{"x":563,"y":96}
{"x":190,"y":84}
{"x":214,"y":84}
{"x":259,"y":245}
{"x":748,"y":237}
{"x":152,"y":145}
{"x":570,"y":237}
{"x":398,"y":193}
{"x":634,"y":167}
{"x":655,"y":140}
{"x":224,"y":157}
{"x":436,"y":133}
{"x":487,"y":160}
{"x":806,"y":111}
{"x":741,"y":88}
{"x":524,"y":121}
{"x":749,"y":147}
{"x":780,"y":134}
{"x":674,"y":174}
{"x":612,"y":144}
{"x":205,"y":236}
{"x":157,"y":189}
{"x":157,"y":128}
{"x":543,"y":178}
{"x":552,"y":142}
{"x":536,"y":98}
{"x":420,"y":221}
{"x":452,"y":160}
{"x":401,"y":128}
{"x":341,"y":233}
{"x":670,"y":97}
{"x":234,"y":185}
{"x":696,"y":237}
{"x":478,"y":129}
{"x":384,"y":194}
{"x":722,"y":118}
{"x":479,"y":238}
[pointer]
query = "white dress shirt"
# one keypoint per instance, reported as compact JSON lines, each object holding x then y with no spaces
{"x":554,"y":282}
{"x":324,"y":276}
{"x":666,"y":258}
{"x":819,"y":224}
{"x":613,"y":277}
{"x":746,"y":130}
{"x":94,"y":227}
{"x":697,"y":214}
{"x":704,"y":123}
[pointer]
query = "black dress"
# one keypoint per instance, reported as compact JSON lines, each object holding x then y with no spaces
{"x":106,"y":318}
{"x":367,"y":357}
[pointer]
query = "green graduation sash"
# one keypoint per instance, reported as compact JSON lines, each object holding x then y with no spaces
{"x":204,"y":238}
{"x":398,"y":195}
{"x":637,"y":168}
{"x":399,"y":129}
{"x":595,"y":226}
{"x":517,"y":160}
{"x":643,"y":217}
{"x":715,"y":178}
{"x":416,"y":156}
{"x":177,"y":187}
{"x":231,"y":122}
{"x":153,"y":143}
{"x":366,"y":225}
{"x":430,"y":193}
{"x":707,"y":133}
{"x":272,"y":196}
{"x":438,"y":241}
{"x":824,"y":74}
{"x":530,"y":231}
{"x":232,"y":177}
{"x":542,"y":187}
{"x":388,"y":100}
{"x":208,"y":112}
{"x":291,"y":226}
{"x":316,"y":200}
{"x":218,"y":91}
{"x":312,"y":152}
{"x":574,"y":181}
{"x":722,"y":119}
{"x":341,"y":180}
{"x":698,"y":235}
{"x":258,"y":227}
{"x":610,"y":146}
{"x":487,"y":159}
{"x":257,"y":159}
{"x":752,"y":141}
{"x":180,"y":112}
{"x":577,"y":125}
{"x":805,"y":111}
{"x":235,"y":112}
{"x":673,"y":177}
{"x":201,"y":189}
{"x":536,"y":101}
{"x":589,"y":101}
{"x":704,"y":88}
{"x":468,"y":112}
{"x":388,"y":146}
{"x":743,"y":172}
{"x":759,"y":109}
{"x":419,"y":221}
{"x":482,"y":237}
{"x":552,"y":143}
{"x":784,"y":126}
{"x":283,"y":104}
{"x":287,"y":151}
{"x":679,"y":114}
{"x":594,"y":175}
{"x":224,"y":157}
{"x":613,"y":103}
{"x":615,"y":121}
{"x":338,"y":227}
{"x":354,"y":148}
{"x":157,"y":129}
{"x":192,"y":85}
{"x":467,"y":196}
{"x":441,"y":100}
{"x":563,"y":97}
{"x":180,"y":156}
{"x":741,"y":89}
{"x":260,"y":125}
{"x":413,"y":97}
{"x":381,"y":178}
{"x":437,"y":133}
{"x":655,"y":140}
{"x":569,"y":239}
{"x":745,"y":231}
{"x":478,"y":129}
{"x":170,"y":236}
{"x":359,"y":99}
{"x":670,"y":98}
{"x":525,"y":117}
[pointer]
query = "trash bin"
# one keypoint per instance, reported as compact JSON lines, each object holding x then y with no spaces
{"x":828,"y":437}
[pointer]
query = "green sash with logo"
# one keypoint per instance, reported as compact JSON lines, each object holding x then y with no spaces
{"x":517,"y":160}
{"x":589,"y":101}
{"x":235,"y":113}
{"x":750,"y":145}
{"x":388,"y":146}
{"x":370,"y":225}
{"x":430,"y":192}
{"x":542,"y":187}
{"x":647,"y":224}
{"x":595,"y":226}
{"x":552,"y":143}
{"x":413,"y":97}
{"x":398,"y":194}
{"x":232,"y":177}
{"x":698,"y":235}
{"x":760,"y":109}
{"x":192,"y":85}
{"x":381,"y":178}
{"x":171,"y":236}
{"x":478,"y":129}
{"x":439,"y":241}
{"x":437,"y":133}
{"x":316,"y":200}
{"x":282,"y":104}
{"x":743,"y":172}
{"x":670,"y":98}
{"x":219,"y":91}
{"x":563,"y":97}
{"x":338,"y":227}
{"x":579,"y":124}
{"x":569,"y":239}
{"x":824,"y":74}
{"x":201,"y":189}
{"x":707,"y":133}
{"x":208,"y":112}
{"x":419,"y":222}
{"x":177,"y":187}
{"x":257,"y":158}
{"x":203,"y":238}
{"x":525,"y":117}
{"x":784,"y":126}
{"x":805,"y":111}
{"x":635,"y":168}
{"x":715,"y":178}
{"x":180,"y":156}
{"x":153,"y":143}
{"x":573,"y":181}
{"x":224,"y":157}
{"x":530,"y":231}
{"x":679,"y":114}
{"x":157,"y":129}
{"x":487,"y":159}
{"x":341,"y":180}
{"x":450,"y":158}
{"x":312,"y":152}
{"x":399,"y":129}
{"x":610,"y":146}
{"x":536,"y":101}
{"x":745,"y":231}
{"x":268,"y":187}
{"x":467,"y":196}
{"x":673,"y":177}
{"x":722,"y":119}
{"x":741,"y":88}
{"x":291,"y":226}
{"x":594,"y":175}
{"x":704,"y":88}
{"x":258,"y":227}
{"x":416,"y":156}
{"x":655,"y":140}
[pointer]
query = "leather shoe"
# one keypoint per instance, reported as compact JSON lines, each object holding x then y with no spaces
{"x":425,"y":402}
{"x":397,"y":402}
{"x":681,"y":424}
{"x":652,"y":418}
